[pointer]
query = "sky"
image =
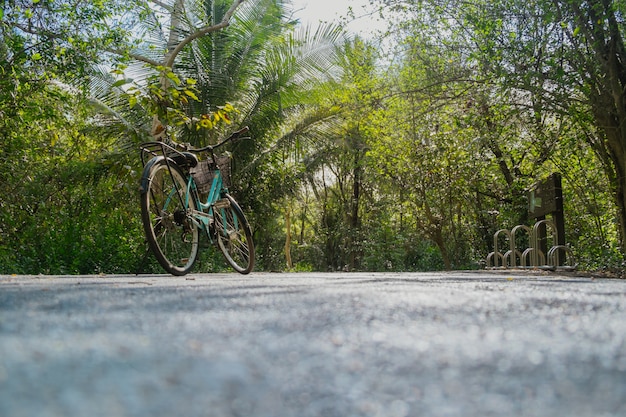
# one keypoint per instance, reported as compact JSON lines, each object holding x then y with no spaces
{"x":314,"y":11}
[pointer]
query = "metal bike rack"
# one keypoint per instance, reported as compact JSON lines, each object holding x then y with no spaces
{"x":553,"y":256}
{"x":546,"y":198}
{"x":537,"y":255}
{"x":514,"y":251}
{"x":496,"y":256}
{"x":533,"y":256}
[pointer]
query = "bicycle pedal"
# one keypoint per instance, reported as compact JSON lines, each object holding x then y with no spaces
{"x":222,"y":204}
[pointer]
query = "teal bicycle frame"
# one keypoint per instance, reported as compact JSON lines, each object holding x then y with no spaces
{"x":196,"y":200}
{"x":205,"y":214}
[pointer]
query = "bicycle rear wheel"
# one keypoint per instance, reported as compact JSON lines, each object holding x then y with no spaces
{"x":166,"y":211}
{"x":234,"y":237}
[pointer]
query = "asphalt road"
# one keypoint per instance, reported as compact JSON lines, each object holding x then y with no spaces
{"x":281,"y":345}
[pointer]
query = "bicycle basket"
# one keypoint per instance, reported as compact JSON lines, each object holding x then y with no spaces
{"x":204,"y":173}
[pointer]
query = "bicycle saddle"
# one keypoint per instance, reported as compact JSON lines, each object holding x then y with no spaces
{"x":185,"y":159}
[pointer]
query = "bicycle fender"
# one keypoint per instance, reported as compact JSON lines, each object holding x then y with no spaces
{"x":145,"y":176}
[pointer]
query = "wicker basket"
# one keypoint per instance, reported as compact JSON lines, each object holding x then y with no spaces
{"x":204,"y":173}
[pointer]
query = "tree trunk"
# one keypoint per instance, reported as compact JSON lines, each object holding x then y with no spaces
{"x":611,"y":152}
{"x":288,"y":238}
{"x":437,"y":237}
{"x":354,"y":214}
{"x":607,"y":96}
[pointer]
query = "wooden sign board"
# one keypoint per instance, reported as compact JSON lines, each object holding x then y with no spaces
{"x":546,"y":198}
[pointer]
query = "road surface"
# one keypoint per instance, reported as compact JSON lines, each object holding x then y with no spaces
{"x":347,"y":344}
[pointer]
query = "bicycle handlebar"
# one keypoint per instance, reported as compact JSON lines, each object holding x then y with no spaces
{"x":233,"y":137}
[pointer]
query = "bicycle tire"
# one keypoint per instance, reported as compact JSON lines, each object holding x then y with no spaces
{"x":234,"y":236}
{"x":172,"y":235}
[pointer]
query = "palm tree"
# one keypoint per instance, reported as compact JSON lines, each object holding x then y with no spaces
{"x":260,"y":62}
{"x":272,"y":71}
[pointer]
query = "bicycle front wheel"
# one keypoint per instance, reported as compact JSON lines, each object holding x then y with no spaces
{"x":234,"y":236}
{"x":166,"y":210}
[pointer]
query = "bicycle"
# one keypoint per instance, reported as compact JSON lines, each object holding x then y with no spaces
{"x":174,"y":216}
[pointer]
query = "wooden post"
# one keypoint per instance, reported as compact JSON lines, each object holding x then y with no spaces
{"x":547,"y":199}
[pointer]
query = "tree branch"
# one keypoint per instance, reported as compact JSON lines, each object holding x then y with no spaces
{"x":161,"y":4}
{"x":134,"y":56}
{"x":44,"y":32}
{"x":202,"y":32}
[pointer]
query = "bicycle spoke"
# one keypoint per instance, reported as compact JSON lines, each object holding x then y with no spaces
{"x":172,"y":236}
{"x":234,"y":237}
{"x":173,"y":216}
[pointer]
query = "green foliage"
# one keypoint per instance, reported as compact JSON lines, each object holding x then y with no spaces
{"x":65,"y":208}
{"x":357,"y":163}
{"x":56,"y":39}
{"x":168,"y":98}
